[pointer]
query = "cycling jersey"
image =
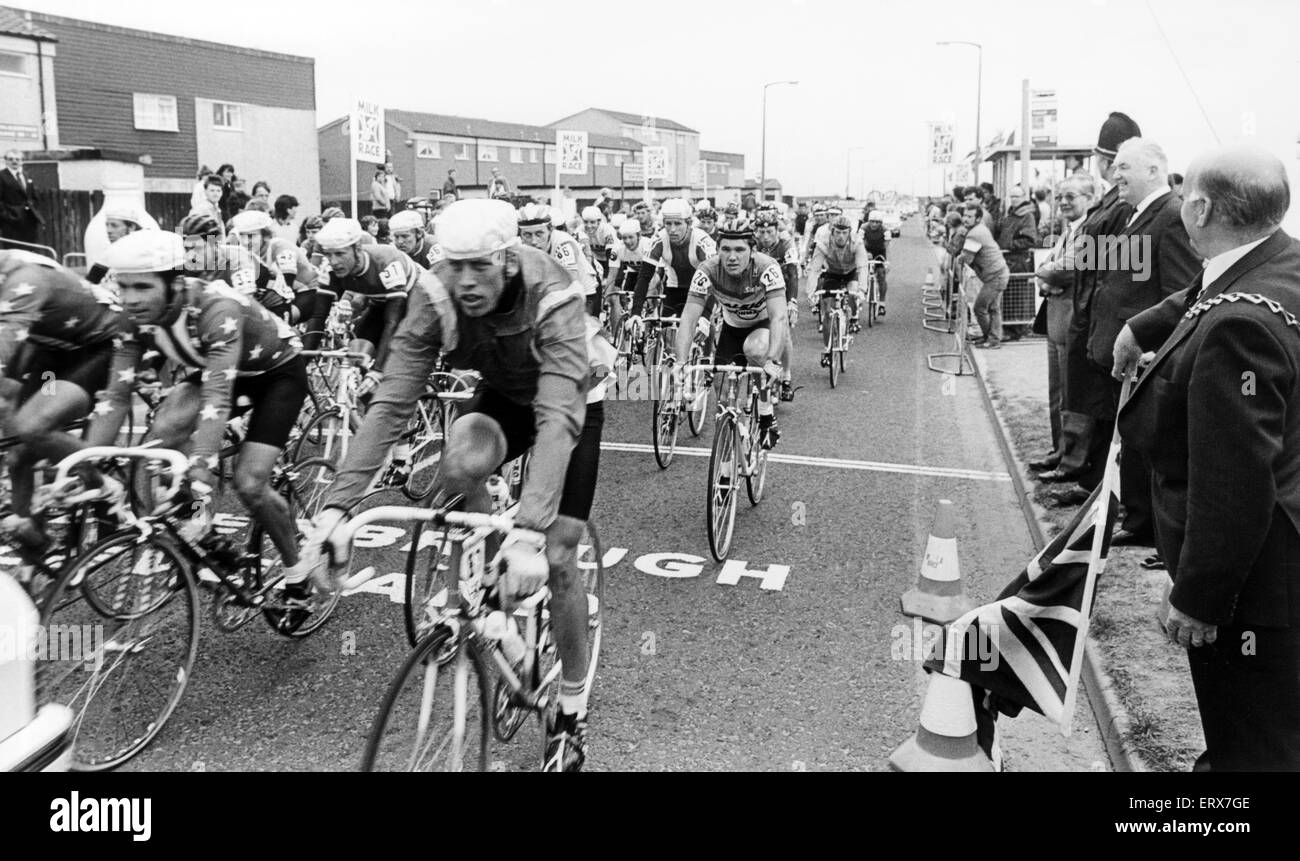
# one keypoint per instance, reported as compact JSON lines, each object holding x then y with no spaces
{"x":387,"y":276}
{"x":626,"y":264}
{"x":676,"y":265}
{"x":531,"y":351}
{"x":744,"y":298}
{"x":602,"y":242}
{"x":837,"y":261}
{"x":44,"y":305}
{"x":215,"y":331}
{"x":427,"y":254}
{"x":784,"y":253}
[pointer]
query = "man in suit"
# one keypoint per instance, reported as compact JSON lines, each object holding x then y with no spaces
{"x":1085,"y":436}
{"x":19,"y":219}
{"x":1215,"y":415}
{"x":1161,"y":262}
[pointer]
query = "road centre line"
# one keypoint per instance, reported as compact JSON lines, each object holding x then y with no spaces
{"x":832,"y":463}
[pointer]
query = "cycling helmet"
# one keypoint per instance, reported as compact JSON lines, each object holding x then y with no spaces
{"x":766,"y":218}
{"x":766,"y":206}
{"x":470,"y":229}
{"x":841,"y":222}
{"x":834,"y":211}
{"x":704,"y":212}
{"x":676,"y":207}
{"x":145,"y":251}
{"x":738,"y":227}
{"x":558,"y":220}
{"x":732,"y":210}
{"x":818,"y":209}
{"x":315,"y":222}
{"x":340,"y":233}
{"x":631,"y":227}
{"x":591,"y":213}
{"x":250,"y":221}
{"x":875,"y":215}
{"x":616,"y":220}
{"x":533,"y":214}
{"x":332,"y":212}
{"x":407,"y":219}
{"x":199,"y":224}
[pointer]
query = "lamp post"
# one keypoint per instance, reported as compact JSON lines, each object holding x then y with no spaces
{"x":762,"y":165}
{"x":979,"y":92}
{"x":848,"y":169}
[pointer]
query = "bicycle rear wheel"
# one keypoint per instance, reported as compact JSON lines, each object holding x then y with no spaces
{"x":323,"y":435}
{"x":427,"y":437}
{"x":435,"y":714}
{"x":756,"y":480}
{"x":720,"y":505}
{"x":591,"y":564}
{"x":837,"y":349}
{"x":871,"y":302}
{"x":426,"y":587}
{"x":695,"y":418}
{"x":121,"y":627}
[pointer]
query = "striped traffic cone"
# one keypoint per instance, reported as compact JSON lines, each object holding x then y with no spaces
{"x":938,"y":595}
{"x":945,"y":739}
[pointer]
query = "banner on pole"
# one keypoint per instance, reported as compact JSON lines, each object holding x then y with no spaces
{"x":1042,"y":117}
{"x":633,"y":171}
{"x":655,"y":159}
{"x":367,"y":124}
{"x":941,"y":143}
{"x":572,"y":147}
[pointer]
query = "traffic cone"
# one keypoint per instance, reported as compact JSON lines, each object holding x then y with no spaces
{"x":928,"y":286}
{"x":945,"y":739}
{"x":938,"y":595}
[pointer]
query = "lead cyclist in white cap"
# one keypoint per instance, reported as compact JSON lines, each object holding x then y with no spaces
{"x":512,"y":313}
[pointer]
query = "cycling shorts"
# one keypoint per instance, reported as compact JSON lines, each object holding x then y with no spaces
{"x":86,"y":368}
{"x":731,"y":343}
{"x":837,"y":280}
{"x":275,"y":398}
{"x":519,"y":425}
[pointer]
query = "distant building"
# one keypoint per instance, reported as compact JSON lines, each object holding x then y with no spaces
{"x":173,"y":102}
{"x":772,"y":187}
{"x":681,"y":142}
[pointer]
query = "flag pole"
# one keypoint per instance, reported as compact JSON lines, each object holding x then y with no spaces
{"x":1096,"y":565}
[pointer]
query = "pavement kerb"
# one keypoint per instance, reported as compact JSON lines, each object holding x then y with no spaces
{"x":1111,"y":716}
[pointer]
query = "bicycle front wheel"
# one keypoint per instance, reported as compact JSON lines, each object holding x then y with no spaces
{"x":323,"y":436}
{"x":837,"y":348}
{"x":428,"y":438}
{"x":756,"y":479}
{"x":122,"y":634}
{"x":695,"y":418}
{"x":665,"y":413}
{"x":435,"y":714}
{"x":720,"y":506}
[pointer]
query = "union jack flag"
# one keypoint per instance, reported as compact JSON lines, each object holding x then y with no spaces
{"x":1025,"y":648}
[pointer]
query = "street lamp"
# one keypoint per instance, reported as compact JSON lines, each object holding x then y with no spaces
{"x":979,"y":92}
{"x":848,"y":169}
{"x":762,"y":169}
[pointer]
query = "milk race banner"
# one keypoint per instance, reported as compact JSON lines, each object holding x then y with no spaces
{"x":941,"y":143}
{"x":367,"y":124}
{"x":572,"y":147}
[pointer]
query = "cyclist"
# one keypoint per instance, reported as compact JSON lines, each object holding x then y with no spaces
{"x":768,"y":241}
{"x":838,"y":257}
{"x":284,"y":281}
{"x":233,"y":350}
{"x":379,"y":277}
{"x":645,"y":217}
{"x":625,"y":265}
{"x":750,"y":290}
{"x":876,"y":239}
{"x":600,"y":237}
{"x":411,"y":237}
{"x":706,"y":219}
{"x":536,"y":229}
{"x":674,"y":254}
{"x":513,"y":313}
{"x":120,"y":219}
{"x":56,"y":341}
{"x":815,"y":224}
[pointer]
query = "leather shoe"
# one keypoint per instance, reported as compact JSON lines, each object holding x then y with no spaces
{"x":1054,"y":475}
{"x":1065,"y":497}
{"x":1045,"y":463}
{"x":1125,"y":538}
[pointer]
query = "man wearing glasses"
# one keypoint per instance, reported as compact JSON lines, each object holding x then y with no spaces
{"x":19,"y":219}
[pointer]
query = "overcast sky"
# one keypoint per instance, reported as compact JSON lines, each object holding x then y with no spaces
{"x":870,"y":74}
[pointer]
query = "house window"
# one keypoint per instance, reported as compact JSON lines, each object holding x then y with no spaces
{"x":226,"y":116}
{"x":602,"y":159}
{"x":13,"y":64}
{"x":155,"y":113}
{"x":427,"y":149}
{"x":549,"y":154}
{"x":516,"y":155}
{"x":487,"y":153}
{"x":532,"y":156}
{"x":462,"y":152}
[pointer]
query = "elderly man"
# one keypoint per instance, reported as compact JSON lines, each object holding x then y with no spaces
{"x":1160,"y":262}
{"x":1085,"y":433}
{"x":1215,"y":415}
{"x":19,"y":219}
{"x":1056,"y":278}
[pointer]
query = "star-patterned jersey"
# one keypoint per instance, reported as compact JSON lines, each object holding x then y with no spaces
{"x":743,"y":299}
{"x":784,"y":253}
{"x":220,"y":334}
{"x":46,"y":305}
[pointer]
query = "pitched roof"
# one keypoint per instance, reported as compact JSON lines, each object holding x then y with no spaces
{"x":12,"y":23}
{"x":472,"y":127}
{"x":636,"y":119}
{"x":733,"y":158}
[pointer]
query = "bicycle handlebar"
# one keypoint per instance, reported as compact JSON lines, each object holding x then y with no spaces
{"x":723,"y":369}
{"x":336,"y":354}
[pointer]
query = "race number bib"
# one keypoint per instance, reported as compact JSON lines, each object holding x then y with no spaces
{"x":392,"y":276}
{"x":771,"y":279}
{"x":287,"y":262}
{"x":700,"y":284}
{"x":564,"y":253}
{"x":243,"y":282}
{"x":708,"y":247}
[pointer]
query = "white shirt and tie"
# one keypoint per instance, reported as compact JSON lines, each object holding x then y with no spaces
{"x":1146,"y":201}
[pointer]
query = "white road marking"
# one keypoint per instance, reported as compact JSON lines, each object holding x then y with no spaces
{"x":830,"y":462}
